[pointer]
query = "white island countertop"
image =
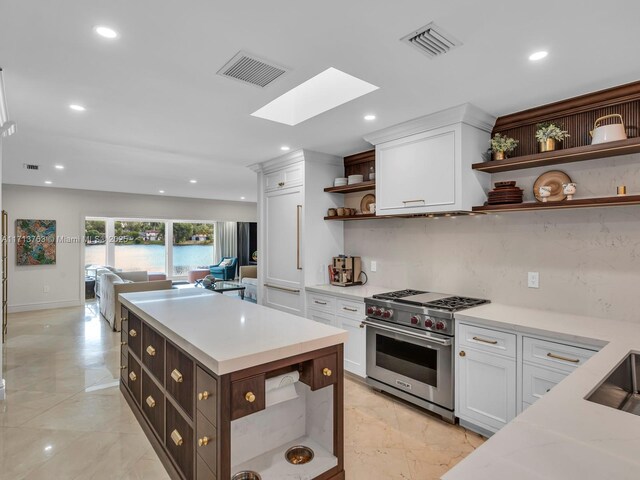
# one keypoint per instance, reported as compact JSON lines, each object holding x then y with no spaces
{"x":225,"y":333}
{"x":562,"y":436}
{"x":356,"y":292}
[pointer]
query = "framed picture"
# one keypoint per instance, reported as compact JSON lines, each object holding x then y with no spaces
{"x":35,"y":242}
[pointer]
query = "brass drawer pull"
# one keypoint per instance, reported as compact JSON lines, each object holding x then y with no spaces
{"x":327,"y":372}
{"x":133,"y":333}
{"x":203,"y":442}
{"x":462,"y":353}
{"x":490,"y":342}
{"x":176,"y":437}
{"x":176,"y":375}
{"x":150,"y":401}
{"x":414,"y":201}
{"x":132,"y":376}
{"x":564,"y":359}
{"x":281,"y":184}
{"x":203,"y":395}
{"x":123,"y":343}
{"x":250,"y":397}
{"x":151,"y":351}
{"x":350,"y":309}
{"x":319,"y":303}
{"x":362,"y":325}
{"x":123,"y":367}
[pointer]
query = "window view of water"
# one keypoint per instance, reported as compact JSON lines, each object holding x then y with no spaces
{"x":152,"y":257}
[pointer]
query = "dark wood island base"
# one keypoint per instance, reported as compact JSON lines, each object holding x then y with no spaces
{"x":186,"y":410}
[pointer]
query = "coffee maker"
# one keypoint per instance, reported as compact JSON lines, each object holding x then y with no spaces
{"x":345,"y":271}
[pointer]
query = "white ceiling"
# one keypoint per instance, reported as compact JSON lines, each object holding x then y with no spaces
{"x":158,"y":115}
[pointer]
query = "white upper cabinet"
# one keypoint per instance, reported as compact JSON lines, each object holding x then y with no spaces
{"x":424,"y":165}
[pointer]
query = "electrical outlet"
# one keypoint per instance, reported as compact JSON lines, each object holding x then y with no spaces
{"x":374,"y":265}
{"x":533,"y":280}
{"x":45,"y":289}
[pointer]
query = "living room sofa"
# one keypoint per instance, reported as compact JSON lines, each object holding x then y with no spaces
{"x":249,"y":278}
{"x":113,"y":284}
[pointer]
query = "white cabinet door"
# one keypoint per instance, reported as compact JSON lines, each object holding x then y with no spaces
{"x":290,"y":176}
{"x":417,"y":173}
{"x":283,"y":267}
{"x":321,"y":317}
{"x":536,"y":381}
{"x":486,"y":388}
{"x":355,"y":355}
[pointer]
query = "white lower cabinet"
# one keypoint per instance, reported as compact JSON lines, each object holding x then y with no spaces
{"x":345,"y":314}
{"x":486,"y":388}
{"x":500,"y":374}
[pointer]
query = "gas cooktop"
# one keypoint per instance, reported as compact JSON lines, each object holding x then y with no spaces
{"x":440,"y":301}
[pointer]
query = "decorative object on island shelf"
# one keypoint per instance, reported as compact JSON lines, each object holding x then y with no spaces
{"x":554,"y":179}
{"x":504,"y":193}
{"x":569,"y":189}
{"x":547,"y":134}
{"x":501,"y":146}
{"x":622,"y":190}
{"x":608,"y":133}
{"x":366,"y":202}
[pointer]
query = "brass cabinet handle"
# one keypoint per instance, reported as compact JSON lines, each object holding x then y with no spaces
{"x":281,"y":184}
{"x":176,"y":437}
{"x":327,"y":372}
{"x":150,"y":401}
{"x":203,"y":442}
{"x":151,"y":351}
{"x":250,"y":397}
{"x":176,"y":375}
{"x":414,"y":201}
{"x":203,"y":395}
{"x":564,"y":359}
{"x":132,"y":376}
{"x":284,"y":289}
{"x":348,"y":309}
{"x":123,"y":343}
{"x":133,"y":333}
{"x":490,"y":342}
{"x":123,"y":367}
{"x":362,"y":325}
{"x":298,"y":215}
{"x":462,"y":353}
{"x":319,"y":303}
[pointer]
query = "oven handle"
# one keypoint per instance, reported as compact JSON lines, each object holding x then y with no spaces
{"x":440,"y":341}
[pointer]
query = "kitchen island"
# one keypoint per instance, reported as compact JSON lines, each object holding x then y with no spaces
{"x":222,"y":386}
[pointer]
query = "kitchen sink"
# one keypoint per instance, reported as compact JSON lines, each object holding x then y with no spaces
{"x":620,"y":389}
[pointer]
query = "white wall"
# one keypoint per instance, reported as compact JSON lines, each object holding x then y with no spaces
{"x":588,"y":259}
{"x":69,"y":208}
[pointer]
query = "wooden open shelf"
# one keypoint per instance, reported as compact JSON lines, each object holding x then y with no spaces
{"x":364,"y":216}
{"x":578,"y":203}
{"x":557,"y":157}
{"x":357,"y":187}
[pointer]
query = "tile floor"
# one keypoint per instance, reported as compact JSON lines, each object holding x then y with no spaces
{"x":64,"y":417}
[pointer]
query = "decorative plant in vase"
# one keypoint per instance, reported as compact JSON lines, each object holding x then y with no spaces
{"x":548,"y":134}
{"x":501,"y":145}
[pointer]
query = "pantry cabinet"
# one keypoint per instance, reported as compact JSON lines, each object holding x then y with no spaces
{"x":294,"y":252}
{"x":424,"y":165}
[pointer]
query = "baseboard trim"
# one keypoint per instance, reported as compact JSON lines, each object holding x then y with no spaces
{"x":28,"y":307}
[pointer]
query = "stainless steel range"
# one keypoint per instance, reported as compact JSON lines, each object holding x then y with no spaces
{"x":410,"y":346}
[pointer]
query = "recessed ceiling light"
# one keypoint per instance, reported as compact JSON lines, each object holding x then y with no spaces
{"x":327,"y":90}
{"x":59,"y":167}
{"x":48,"y":182}
{"x":538,"y":55}
{"x":76,"y":107}
{"x":284,"y":148}
{"x":105,"y":32}
{"x":369,"y":117}
{"x":241,"y":198}
{"x":161,"y":191}
{"x":193,"y":181}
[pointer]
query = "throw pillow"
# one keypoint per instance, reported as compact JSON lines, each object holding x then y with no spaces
{"x":226,"y":262}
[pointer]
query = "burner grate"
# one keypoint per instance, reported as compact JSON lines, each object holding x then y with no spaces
{"x":453,"y":304}
{"x":398,"y":294}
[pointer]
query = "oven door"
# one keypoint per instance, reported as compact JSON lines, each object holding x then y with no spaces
{"x":416,"y":362}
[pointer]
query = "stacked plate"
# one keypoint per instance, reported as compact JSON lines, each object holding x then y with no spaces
{"x":355,"y":179}
{"x":340,"y":182}
{"x":505,"y":192}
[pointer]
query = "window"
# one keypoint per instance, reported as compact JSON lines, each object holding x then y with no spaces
{"x":95,"y":252}
{"x":192,"y":247}
{"x":139,"y":245}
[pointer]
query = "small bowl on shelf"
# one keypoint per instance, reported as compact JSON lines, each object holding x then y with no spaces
{"x":332,"y":212}
{"x":341,"y":211}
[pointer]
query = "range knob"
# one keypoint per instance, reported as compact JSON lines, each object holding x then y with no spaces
{"x":415,"y":320}
{"x":378,"y":311}
{"x":440,"y":326}
{"x":387,"y":313}
{"x":370,"y":310}
{"x":428,"y":323}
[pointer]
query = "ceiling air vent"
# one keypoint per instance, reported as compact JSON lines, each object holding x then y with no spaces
{"x":31,"y":166}
{"x":432,"y":40}
{"x":251,"y":69}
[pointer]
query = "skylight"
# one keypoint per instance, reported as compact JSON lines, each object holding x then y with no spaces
{"x":327,"y":90}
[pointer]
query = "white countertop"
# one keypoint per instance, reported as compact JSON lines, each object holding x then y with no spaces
{"x":562,"y":436}
{"x":225,"y":333}
{"x":356,"y":292}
